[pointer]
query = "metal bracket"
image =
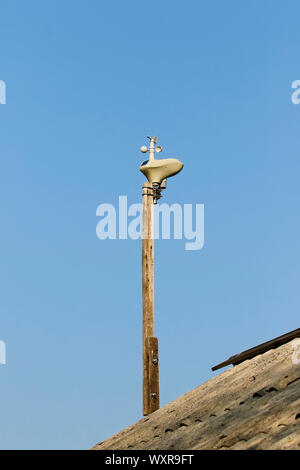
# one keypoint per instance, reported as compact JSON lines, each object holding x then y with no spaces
{"x":157,"y":189}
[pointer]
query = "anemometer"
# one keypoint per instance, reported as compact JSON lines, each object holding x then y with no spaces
{"x":158,"y":170}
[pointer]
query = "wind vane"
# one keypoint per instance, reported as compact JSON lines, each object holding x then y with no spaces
{"x":156,"y":171}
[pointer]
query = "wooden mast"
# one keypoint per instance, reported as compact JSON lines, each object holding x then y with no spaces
{"x":150,"y":343}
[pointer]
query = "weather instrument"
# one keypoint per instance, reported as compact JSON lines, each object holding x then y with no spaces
{"x":157,"y":171}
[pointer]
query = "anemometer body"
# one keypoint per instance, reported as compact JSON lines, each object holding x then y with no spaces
{"x":158,"y":170}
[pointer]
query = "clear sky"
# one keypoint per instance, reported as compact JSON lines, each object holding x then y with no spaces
{"x":87,"y":81}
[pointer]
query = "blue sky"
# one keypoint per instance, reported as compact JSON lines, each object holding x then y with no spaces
{"x":86,"y":82}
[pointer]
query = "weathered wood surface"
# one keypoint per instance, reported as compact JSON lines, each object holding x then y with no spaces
{"x":254,"y":405}
{"x":153,"y":376}
{"x":149,"y":404}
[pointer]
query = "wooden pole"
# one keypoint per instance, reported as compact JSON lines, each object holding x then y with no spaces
{"x":153,"y":373}
{"x":150,"y":343}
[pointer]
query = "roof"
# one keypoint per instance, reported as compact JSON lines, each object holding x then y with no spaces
{"x":260,"y":349}
{"x":253,"y":405}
